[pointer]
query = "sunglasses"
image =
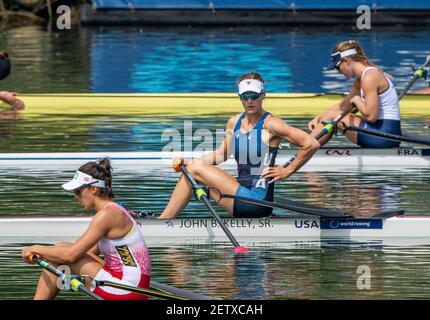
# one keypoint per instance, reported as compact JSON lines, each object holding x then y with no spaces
{"x":251,"y":95}
{"x":78,"y":191}
{"x":338,"y":65}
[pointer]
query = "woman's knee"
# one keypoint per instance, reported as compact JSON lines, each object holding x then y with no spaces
{"x":195,"y":167}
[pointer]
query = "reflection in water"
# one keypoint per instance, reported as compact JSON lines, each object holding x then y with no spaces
{"x":28,"y":192}
{"x":75,"y":133}
{"x":363,"y":197}
{"x":300,"y":270}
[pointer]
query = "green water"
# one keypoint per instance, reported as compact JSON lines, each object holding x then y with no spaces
{"x":310,"y":270}
{"x":63,"y":62}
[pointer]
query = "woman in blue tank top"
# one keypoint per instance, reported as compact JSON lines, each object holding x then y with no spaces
{"x":253,"y":138}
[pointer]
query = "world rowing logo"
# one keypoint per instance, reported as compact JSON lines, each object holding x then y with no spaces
{"x":334,"y":224}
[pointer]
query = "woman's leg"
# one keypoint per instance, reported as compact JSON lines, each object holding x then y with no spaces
{"x":350,"y":120}
{"x":209,"y":175}
{"x":47,"y":287}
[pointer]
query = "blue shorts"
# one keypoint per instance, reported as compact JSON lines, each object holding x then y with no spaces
{"x":248,"y":210}
{"x":382,"y":125}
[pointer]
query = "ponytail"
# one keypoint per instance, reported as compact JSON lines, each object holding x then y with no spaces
{"x":101,"y":170}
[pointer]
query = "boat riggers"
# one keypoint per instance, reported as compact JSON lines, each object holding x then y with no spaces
{"x":286,"y":204}
{"x":389,"y":136}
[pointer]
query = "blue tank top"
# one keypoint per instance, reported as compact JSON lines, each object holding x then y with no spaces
{"x":252,"y":154}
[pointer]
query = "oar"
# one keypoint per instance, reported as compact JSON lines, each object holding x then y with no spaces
{"x":292,"y":206}
{"x":75,"y":284}
{"x":419,"y":73}
{"x":201,"y":195}
{"x":328,"y":128}
{"x":186,"y":294}
{"x":157,"y":290}
{"x":154,"y":293}
{"x":286,"y":204}
{"x":390,"y":136}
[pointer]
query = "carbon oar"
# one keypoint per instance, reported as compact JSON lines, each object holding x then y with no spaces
{"x":419,"y":73}
{"x":201,"y":195}
{"x":154,"y":293}
{"x":329,"y":127}
{"x":186,"y":294}
{"x":390,"y":136}
{"x":75,"y":284}
{"x":286,"y":204}
{"x":292,"y":206}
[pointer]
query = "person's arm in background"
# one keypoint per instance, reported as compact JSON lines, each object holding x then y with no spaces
{"x":11,"y":99}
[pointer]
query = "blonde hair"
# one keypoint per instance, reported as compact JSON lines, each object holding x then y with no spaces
{"x":359,"y":57}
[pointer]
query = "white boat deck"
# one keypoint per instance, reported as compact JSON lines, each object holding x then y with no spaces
{"x":201,"y":230}
{"x":326,"y":159}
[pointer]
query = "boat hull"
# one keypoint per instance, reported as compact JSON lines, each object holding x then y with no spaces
{"x":327,"y":159}
{"x":203,"y":229}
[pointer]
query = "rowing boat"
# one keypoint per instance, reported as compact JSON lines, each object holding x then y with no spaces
{"x":325,"y":159}
{"x":204,"y":229}
{"x":290,"y":104}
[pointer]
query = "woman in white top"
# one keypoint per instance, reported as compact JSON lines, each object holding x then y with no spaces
{"x":113,"y":233}
{"x":373,"y":93}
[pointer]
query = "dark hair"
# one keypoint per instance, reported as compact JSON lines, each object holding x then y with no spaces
{"x":101,"y":170}
{"x":251,"y":75}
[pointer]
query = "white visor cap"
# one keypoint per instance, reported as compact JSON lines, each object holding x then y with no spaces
{"x":252,"y":85}
{"x":81,"y":180}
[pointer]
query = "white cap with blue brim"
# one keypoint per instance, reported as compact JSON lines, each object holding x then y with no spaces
{"x":250,"y":85}
{"x":336,"y":58}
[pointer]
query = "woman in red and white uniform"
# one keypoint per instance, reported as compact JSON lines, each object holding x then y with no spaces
{"x":113,"y":233}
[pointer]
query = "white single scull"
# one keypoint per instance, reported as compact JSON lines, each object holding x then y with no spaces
{"x":325,"y":159}
{"x":205,"y":229}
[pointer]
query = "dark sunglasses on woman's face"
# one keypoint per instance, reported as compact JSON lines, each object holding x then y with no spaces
{"x":338,"y":65}
{"x":251,"y":95}
{"x":77,"y":191}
